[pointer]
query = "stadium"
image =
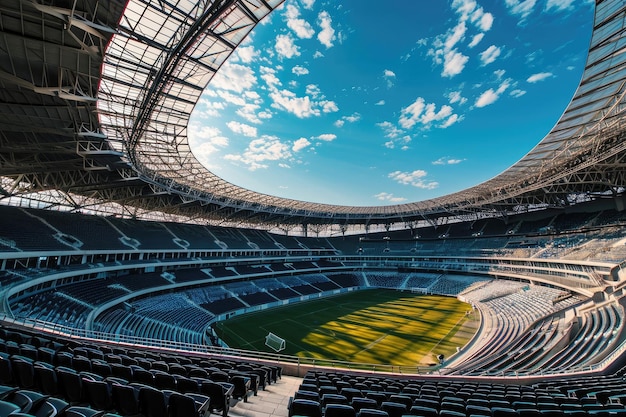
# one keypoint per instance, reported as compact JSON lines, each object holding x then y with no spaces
{"x":121,"y":254}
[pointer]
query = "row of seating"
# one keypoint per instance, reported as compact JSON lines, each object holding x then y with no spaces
{"x":337,"y":394}
{"x":126,"y":381}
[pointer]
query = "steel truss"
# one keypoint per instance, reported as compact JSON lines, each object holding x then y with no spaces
{"x":96,"y":97}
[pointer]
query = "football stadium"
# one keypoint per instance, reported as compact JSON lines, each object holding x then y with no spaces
{"x":136,"y":282}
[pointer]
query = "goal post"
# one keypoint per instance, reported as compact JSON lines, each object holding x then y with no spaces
{"x":274,"y":342}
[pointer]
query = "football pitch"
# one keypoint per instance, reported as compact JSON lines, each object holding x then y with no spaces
{"x":372,"y":326}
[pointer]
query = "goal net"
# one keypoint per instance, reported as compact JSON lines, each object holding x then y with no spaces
{"x":274,"y":342}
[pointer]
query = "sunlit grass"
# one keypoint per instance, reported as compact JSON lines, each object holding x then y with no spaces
{"x":370,"y":326}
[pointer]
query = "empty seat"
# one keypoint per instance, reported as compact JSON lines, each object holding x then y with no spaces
{"x":339,"y":410}
{"x":393,"y":409}
{"x":361,"y":402}
{"x":305,"y":408}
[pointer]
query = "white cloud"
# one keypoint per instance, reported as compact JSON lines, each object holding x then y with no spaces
{"x":308,"y":4}
{"x":484,"y":21}
{"x":248,"y":112}
{"x":300,"y":144}
{"x":314,"y":91}
{"x":299,"y":70}
{"x":233,"y":77}
{"x":242,"y":129}
{"x":456,"y":97}
{"x":247,"y":54}
{"x":489,"y":55}
{"x":205,"y":141}
{"x":486,"y":98}
{"x":318,"y":54}
{"x":559,"y":5}
{"x":326,"y":137}
{"x":329,"y":106}
{"x":446,"y":160}
{"x":208,"y":108}
{"x":521,"y":8}
{"x":517,"y":93}
{"x":389,"y":197}
{"x":261,"y":150}
{"x":454,"y":36}
{"x":286,"y":47}
{"x":419,"y":112}
{"x":269,"y":76}
{"x":490,"y":96}
{"x":499,"y":73}
{"x":391,"y":131}
{"x":380,"y":103}
{"x":416,"y":178}
{"x":476,"y":40}
{"x":236,"y":99}
{"x":454,"y":118}
{"x":301,"y":107}
{"x":300,"y":27}
{"x":470,"y":10}
{"x":389,"y":76}
{"x":327,"y":34}
{"x":539,"y":77}
{"x":453,"y":63}
{"x":354,"y":117}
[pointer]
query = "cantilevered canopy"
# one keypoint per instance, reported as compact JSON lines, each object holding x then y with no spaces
{"x":97,"y":95}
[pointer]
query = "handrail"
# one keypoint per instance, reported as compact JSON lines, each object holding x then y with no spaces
{"x":314,"y":363}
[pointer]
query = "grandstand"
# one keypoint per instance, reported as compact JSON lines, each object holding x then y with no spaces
{"x":119,"y":251}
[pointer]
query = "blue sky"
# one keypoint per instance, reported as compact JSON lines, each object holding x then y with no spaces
{"x":352,"y":103}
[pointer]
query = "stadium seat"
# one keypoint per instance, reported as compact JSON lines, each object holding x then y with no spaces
{"x":152,"y":402}
{"x":98,"y":394}
{"x":394,"y":409}
{"x":219,"y":394}
{"x":305,"y":408}
{"x":371,"y":412}
{"x":125,"y":399}
{"x":339,"y":410}
{"x":362,"y":402}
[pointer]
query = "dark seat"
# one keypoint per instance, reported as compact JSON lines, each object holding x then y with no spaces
{"x":362,"y":402}
{"x":333,"y":399}
{"x":23,"y":372}
{"x":185,"y":385}
{"x":371,"y":412}
{"x":98,"y":394}
{"x":241,"y":386}
{"x":477,"y":410}
{"x":7,"y":407}
{"x":219,"y":393}
{"x":393,"y":409}
{"x":28,"y":401}
{"x":423,"y":411}
{"x":339,"y":410}
{"x":181,"y":405}
{"x":305,"y":408}
{"x":504,"y":412}
{"x":122,"y":371}
{"x":80,"y":411}
{"x":125,"y":399}
{"x":46,"y":379}
{"x":140,"y":375}
{"x":70,"y":384}
{"x":152,"y":402}
{"x":163,"y":380}
{"x":101,"y":368}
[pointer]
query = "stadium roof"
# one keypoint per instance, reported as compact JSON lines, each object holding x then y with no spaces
{"x":96,"y":97}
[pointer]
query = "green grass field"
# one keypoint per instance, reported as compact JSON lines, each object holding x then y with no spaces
{"x":370,"y":326}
